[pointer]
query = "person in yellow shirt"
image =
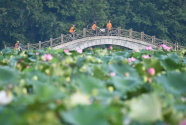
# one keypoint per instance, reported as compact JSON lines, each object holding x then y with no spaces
{"x":109,"y":26}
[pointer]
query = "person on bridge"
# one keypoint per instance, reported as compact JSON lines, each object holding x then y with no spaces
{"x":19,"y":46}
{"x":109,"y":27}
{"x":16,"y":45}
{"x":72,"y":31}
{"x":94,"y":27}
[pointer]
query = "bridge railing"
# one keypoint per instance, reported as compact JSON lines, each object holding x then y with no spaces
{"x":128,"y":33}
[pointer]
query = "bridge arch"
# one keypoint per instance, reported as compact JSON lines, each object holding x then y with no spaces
{"x":102,"y":40}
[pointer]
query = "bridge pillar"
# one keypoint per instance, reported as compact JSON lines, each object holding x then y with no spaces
{"x":39,"y":44}
{"x":130,"y":33}
{"x":50,"y":42}
{"x":142,"y":36}
{"x":62,"y":36}
{"x":28,"y":46}
{"x":119,"y":31}
{"x":5,"y":46}
{"x":84,"y":32}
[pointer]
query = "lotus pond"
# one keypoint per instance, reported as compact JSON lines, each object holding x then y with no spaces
{"x":95,"y":86}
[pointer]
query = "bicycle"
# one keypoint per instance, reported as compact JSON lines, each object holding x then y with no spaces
{"x":70,"y":38}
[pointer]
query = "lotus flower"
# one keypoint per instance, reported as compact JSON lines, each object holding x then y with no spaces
{"x":91,"y":48}
{"x":146,"y":56}
{"x":131,"y":59}
{"x":79,"y":50}
{"x":165,"y":47}
{"x":148,"y":48}
{"x":112,"y":74}
{"x":79,"y":99}
{"x":66,"y":51}
{"x":110,"y":47}
{"x":133,"y":51}
{"x":37,"y":53}
{"x":4,"y":98}
{"x":151,"y":71}
{"x":47,"y":57}
{"x":183,"y":122}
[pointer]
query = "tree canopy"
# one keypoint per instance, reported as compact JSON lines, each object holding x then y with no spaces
{"x":39,"y":20}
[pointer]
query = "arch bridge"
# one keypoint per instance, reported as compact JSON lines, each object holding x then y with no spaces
{"x":87,"y":38}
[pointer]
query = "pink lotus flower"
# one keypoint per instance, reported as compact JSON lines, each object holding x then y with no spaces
{"x":112,"y":74}
{"x":146,"y":56}
{"x":131,"y":59}
{"x":151,"y":71}
{"x":183,"y":122}
{"x":37,"y":53}
{"x":47,"y":57}
{"x":148,"y":48}
{"x":133,"y":51}
{"x":165,"y":47}
{"x":66,"y":51}
{"x":91,"y":48}
{"x":110,"y":47}
{"x":79,"y":50}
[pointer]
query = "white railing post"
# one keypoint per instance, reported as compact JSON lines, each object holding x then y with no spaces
{"x":62,"y":37}
{"x":39,"y":44}
{"x":153,"y":40}
{"x":28,"y":46}
{"x":50,"y":42}
{"x":119,"y":31}
{"x":96,"y":31}
{"x":84,"y":32}
{"x":142,"y":36}
{"x":177,"y":47}
{"x":130,"y":33}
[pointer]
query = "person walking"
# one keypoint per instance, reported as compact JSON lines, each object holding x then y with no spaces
{"x":109,"y":27}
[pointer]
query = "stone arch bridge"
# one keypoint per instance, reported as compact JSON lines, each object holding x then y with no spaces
{"x":87,"y":38}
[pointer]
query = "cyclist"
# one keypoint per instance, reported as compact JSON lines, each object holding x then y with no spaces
{"x":17,"y":45}
{"x":72,"y":31}
{"x":109,"y":27}
{"x":94,"y":27}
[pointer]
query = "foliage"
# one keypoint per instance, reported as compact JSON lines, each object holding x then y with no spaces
{"x":97,"y":86}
